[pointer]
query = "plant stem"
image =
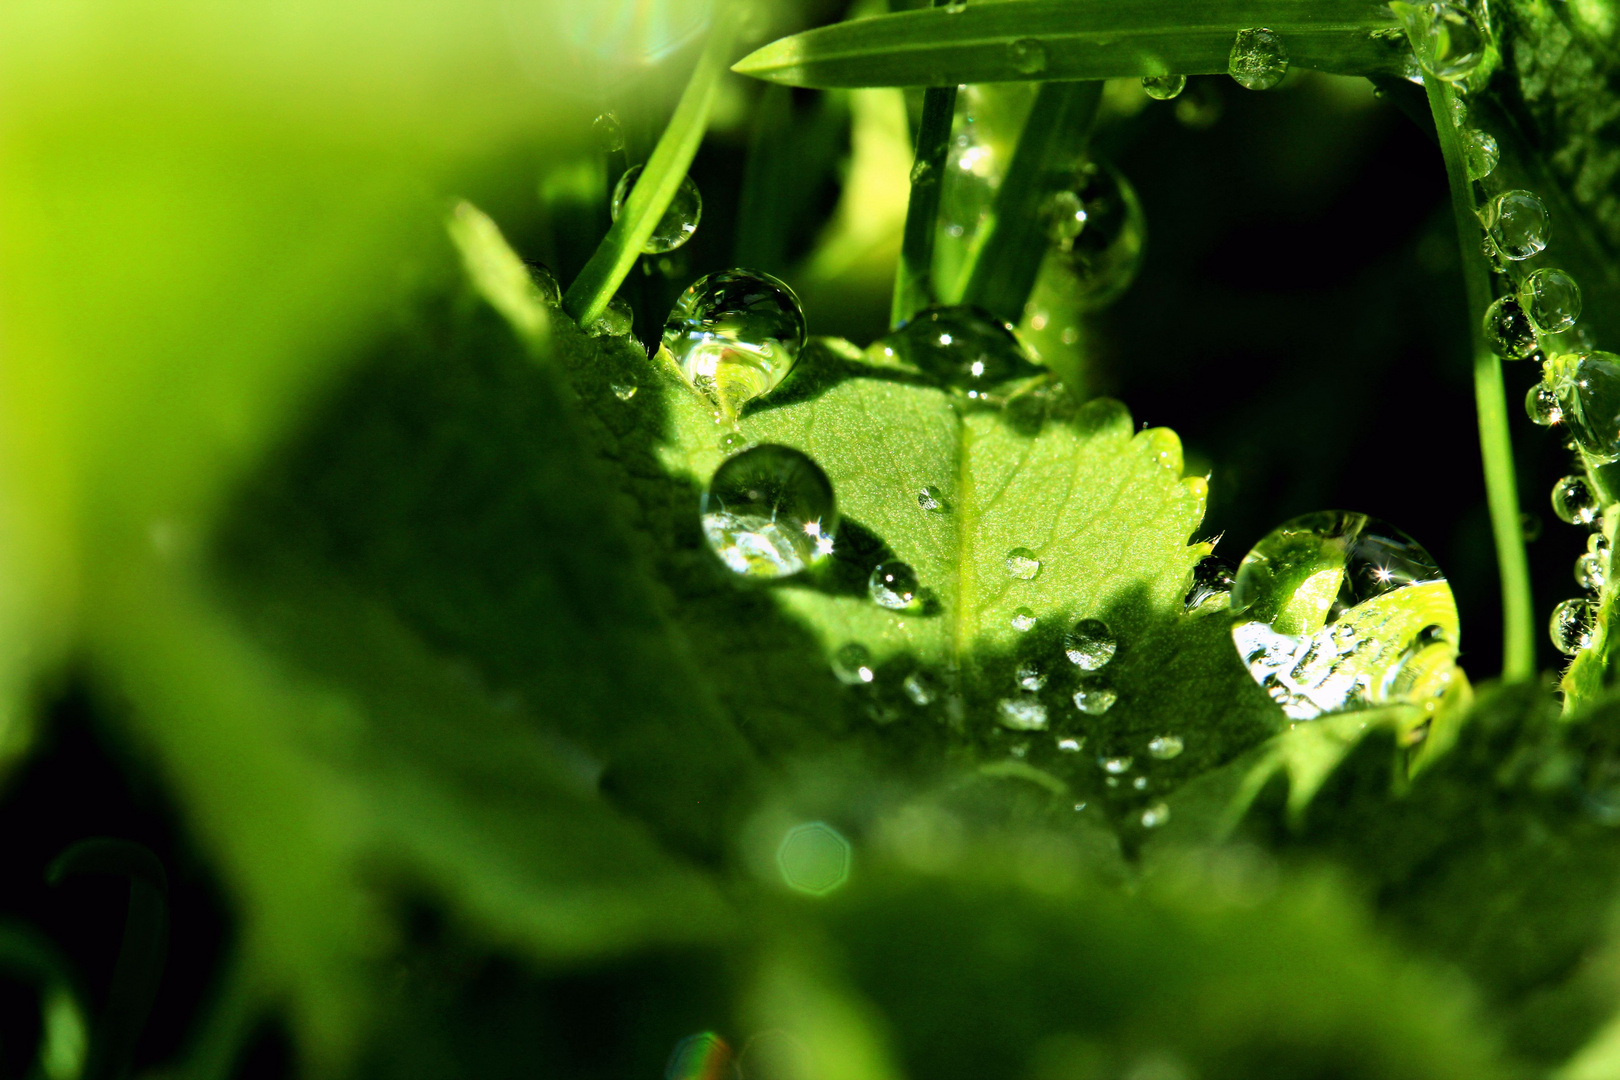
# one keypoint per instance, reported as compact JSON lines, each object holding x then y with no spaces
{"x":914,"y":279}
{"x":622,"y":246}
{"x":1495,"y":441}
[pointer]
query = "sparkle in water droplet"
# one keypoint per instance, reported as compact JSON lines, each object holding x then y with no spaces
{"x":615,"y":321}
{"x":699,"y":1057}
{"x":1021,"y":714}
{"x":931,"y":498}
{"x":1164,"y":87}
{"x":1517,"y":224}
{"x":769,"y":512}
{"x":1572,"y":626}
{"x":1450,"y":44}
{"x":963,"y":348}
{"x":1154,"y":816}
{"x":1070,"y":744}
{"x":1598,"y":544}
{"x":1140,"y":783}
{"x":1574,"y":501}
{"x":1541,"y":405}
{"x":1508,"y":330}
{"x":1095,"y":697}
{"x":1258,"y":60}
{"x":1552,"y":299}
{"x":1029,"y":675}
{"x":1588,"y":389}
{"x":1591,"y":571}
{"x":1028,"y":56}
{"x":732,"y":441}
{"x":735,"y":335}
{"x":609,"y":132}
{"x":1480,"y":154}
{"x":1165,"y":747}
{"x":1330,"y":607}
{"x":1115,"y":766}
{"x":1065,"y":217}
{"x":546,"y":282}
{"x":679,"y":222}
{"x":1211,"y":587}
{"x":1023,"y":619}
{"x":893,"y":585}
{"x":852,"y":663}
{"x":623,"y":391}
{"x":921,"y":687}
{"x":1090,"y":645}
{"x":1102,"y":256}
{"x":1022,"y":563}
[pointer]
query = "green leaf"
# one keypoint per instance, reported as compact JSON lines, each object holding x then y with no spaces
{"x":1067,"y":40}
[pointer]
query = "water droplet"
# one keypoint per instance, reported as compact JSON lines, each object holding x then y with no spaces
{"x":923,"y":172}
{"x":1065,"y":216}
{"x":1451,"y":45}
{"x":1022,"y":563}
{"x":1155,"y":815}
{"x":679,"y":222}
{"x":1258,"y":60}
{"x":1070,"y":744}
{"x":1552,"y":299}
{"x":852,"y":664}
{"x":1517,"y":224}
{"x":1480,"y":154}
{"x":735,"y":335}
{"x":962,"y":347}
{"x":1115,"y":766}
{"x":1095,"y":697}
{"x":1211,"y":587}
{"x":1165,"y":747}
{"x":1028,"y":56}
{"x":921,"y":687}
{"x":813,"y":858}
{"x":623,"y":391}
{"x":1021,"y":714}
{"x":699,"y":1056}
{"x":1140,"y":783}
{"x":1029,"y":675}
{"x":931,"y":498}
{"x":1090,"y":644}
{"x":1591,"y":571}
{"x":1588,"y":389}
{"x":609,"y":133}
{"x":1508,"y":330}
{"x":615,"y":321}
{"x":769,"y":512}
{"x":1541,"y":405}
{"x":893,"y":585}
{"x":1023,"y":619}
{"x":1103,"y":254}
{"x":1598,"y":544}
{"x":546,"y":282}
{"x":1572,"y":625}
{"x":1163,"y":87}
{"x":1330,"y":604}
{"x":1574,"y":501}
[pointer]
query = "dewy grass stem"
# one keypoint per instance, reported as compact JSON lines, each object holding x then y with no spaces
{"x":913,"y":283}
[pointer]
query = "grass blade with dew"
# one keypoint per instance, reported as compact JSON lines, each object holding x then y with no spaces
{"x":1071,"y":40}
{"x":913,"y":283}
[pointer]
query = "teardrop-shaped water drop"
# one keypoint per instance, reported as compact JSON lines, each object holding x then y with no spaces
{"x":1090,"y":645}
{"x":1588,"y":388}
{"x":769,"y":512}
{"x":1542,"y":406}
{"x":1023,"y":619}
{"x":1021,"y":714}
{"x":1574,"y":501}
{"x":1094,"y":697}
{"x":1328,"y":606}
{"x":735,"y":335}
{"x":1552,"y":299}
{"x":1508,"y":330}
{"x":931,"y":498}
{"x":1591,"y":571}
{"x":1102,"y":257}
{"x":894,"y":585}
{"x":1022,"y":563}
{"x":680,"y":220}
{"x":964,"y":348}
{"x":1211,"y":587}
{"x":1163,"y":87}
{"x":1572,"y":625}
{"x":1028,"y":56}
{"x":1258,"y":60}
{"x":852,"y":664}
{"x":609,"y":133}
{"x":1517,"y":223}
{"x":615,"y":321}
{"x":1480,"y":153}
{"x":1165,"y":747}
{"x":1450,"y":45}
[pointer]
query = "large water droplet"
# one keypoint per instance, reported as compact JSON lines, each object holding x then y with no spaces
{"x":1552,"y":299}
{"x":1588,"y":389}
{"x":1028,"y":56}
{"x":615,"y":321}
{"x":1330,"y":607}
{"x":1094,"y":697}
{"x":1103,"y":255}
{"x":1258,"y":60}
{"x":698,"y":1057}
{"x":679,"y":222}
{"x":894,"y":585}
{"x":921,"y":686}
{"x":769,"y":512}
{"x":1090,"y":644}
{"x":609,"y":133}
{"x":1591,"y":571}
{"x":1508,"y":330}
{"x":735,"y":335}
{"x":1023,"y":619}
{"x":931,"y":498}
{"x":1163,"y":87}
{"x":962,"y":347}
{"x":1517,"y":224}
{"x":1022,"y":563}
{"x":1480,"y":154}
{"x":1211,"y":587}
{"x":1574,"y":501}
{"x":852,"y":664}
{"x":1572,"y":625}
{"x":1165,"y":747}
{"x":1542,"y":406}
{"x":1450,"y":45}
{"x":1021,"y":714}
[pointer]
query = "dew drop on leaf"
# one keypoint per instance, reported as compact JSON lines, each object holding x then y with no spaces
{"x":1021,"y":714}
{"x":931,"y":498}
{"x":609,"y":132}
{"x":1090,"y":645}
{"x":1258,"y":60}
{"x":1330,"y":608}
{"x":1574,"y":501}
{"x":1517,"y":223}
{"x":1588,"y":389}
{"x":1541,"y":405}
{"x":1028,"y":56}
{"x":1023,"y":619}
{"x":852,"y":663}
{"x":623,"y":391}
{"x":1095,"y":697}
{"x":1070,"y":744}
{"x":1552,"y":299}
{"x":962,"y":347}
{"x":893,"y":585}
{"x":1572,"y":625}
{"x":735,"y":335}
{"x":1022,"y":563}
{"x":1165,"y":747}
{"x":769,"y":512}
{"x":1508,"y":330}
{"x":679,"y":222}
{"x":1211,"y":587}
{"x":1591,"y":571}
{"x":1163,"y":87}
{"x":1480,"y":153}
{"x":614,"y":322}
{"x":1115,"y":766}
{"x":1029,"y":675}
{"x":1450,"y":45}
{"x":921,"y":687}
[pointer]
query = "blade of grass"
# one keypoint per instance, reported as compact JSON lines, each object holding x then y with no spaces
{"x":913,"y":283}
{"x":1014,"y":241}
{"x":1077,"y":40}
{"x":622,"y":246}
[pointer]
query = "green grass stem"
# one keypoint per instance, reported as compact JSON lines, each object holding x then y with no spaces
{"x":914,"y":280}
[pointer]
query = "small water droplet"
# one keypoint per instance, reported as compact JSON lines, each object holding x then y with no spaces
{"x":1598,"y":544}
{"x":962,"y":348}
{"x":923,"y":172}
{"x":852,"y":663}
{"x":702,"y":1055}
{"x":931,"y":498}
{"x":1574,"y":501}
{"x":1258,"y":60}
{"x":1140,"y":783}
{"x":1450,"y":45}
{"x":922,"y":687}
{"x":1572,"y":625}
{"x":1480,"y":154}
{"x":1023,"y":619}
{"x":609,"y":133}
{"x":1115,"y":766}
{"x":1588,"y":389}
{"x":1070,"y":744}
{"x":1090,"y":645}
{"x":1517,"y":224}
{"x":1021,"y":714}
{"x":1211,"y":587}
{"x":1155,"y":815}
{"x":623,"y":391}
{"x":1591,"y":571}
{"x":769,"y":512}
{"x":1022,"y":563}
{"x":1541,"y":405}
{"x":1508,"y":330}
{"x":735,"y":335}
{"x":1094,"y":697}
{"x":893,"y":585}
{"x":1552,"y":299}
{"x":615,"y":321}
{"x":546,"y":282}
{"x":1164,"y":87}
{"x":1165,"y":747}
{"x":733,"y":441}
{"x":1028,"y":56}
{"x":1029,"y":675}
{"x":679,"y":222}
